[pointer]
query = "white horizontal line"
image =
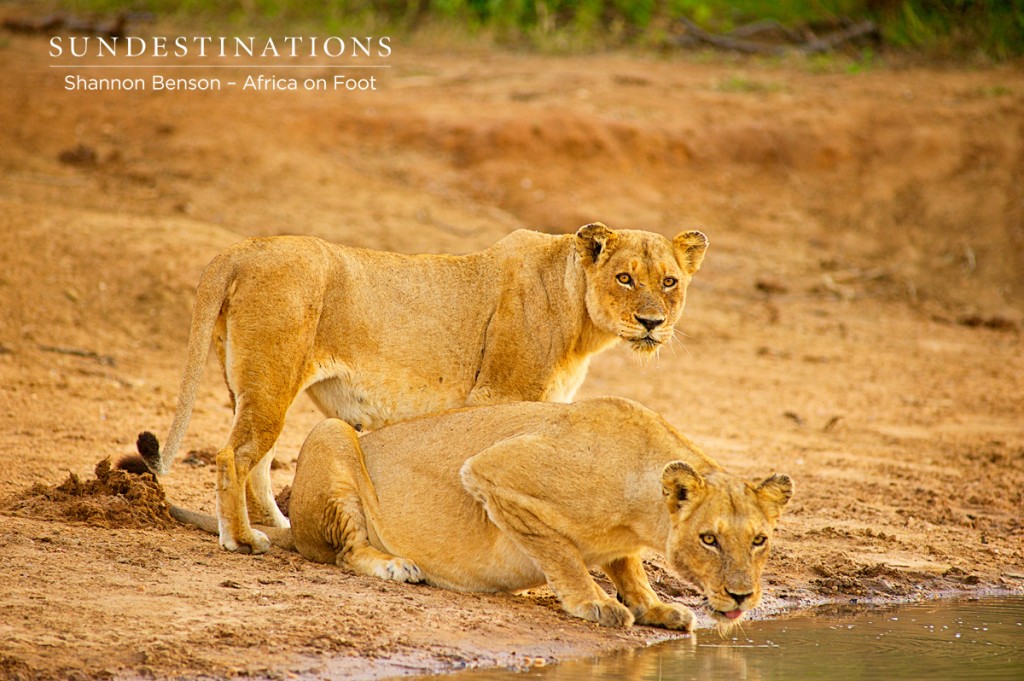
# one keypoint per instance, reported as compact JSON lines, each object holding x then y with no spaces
{"x":219,"y":66}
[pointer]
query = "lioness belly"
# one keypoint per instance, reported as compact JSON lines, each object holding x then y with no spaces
{"x":427,"y":515}
{"x":464,"y":553}
{"x":369,"y":402}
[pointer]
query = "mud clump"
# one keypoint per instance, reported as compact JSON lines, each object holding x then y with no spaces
{"x":283,"y":499}
{"x":15,"y":669}
{"x":114,"y":499}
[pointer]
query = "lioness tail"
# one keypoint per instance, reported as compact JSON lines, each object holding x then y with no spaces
{"x":280,"y":537}
{"x":210,"y":295}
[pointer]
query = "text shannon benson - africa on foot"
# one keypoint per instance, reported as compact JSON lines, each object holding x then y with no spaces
{"x":338,"y":82}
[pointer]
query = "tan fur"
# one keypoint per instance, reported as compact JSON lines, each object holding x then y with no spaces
{"x":378,"y":337}
{"x":508,"y":497}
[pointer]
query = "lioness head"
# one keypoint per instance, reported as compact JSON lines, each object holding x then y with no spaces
{"x":721,"y":532}
{"x":636,"y":281}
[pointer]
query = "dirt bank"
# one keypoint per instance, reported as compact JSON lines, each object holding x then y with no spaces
{"x":857,"y":324}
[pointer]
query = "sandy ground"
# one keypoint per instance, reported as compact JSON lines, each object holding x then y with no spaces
{"x":857,"y":324}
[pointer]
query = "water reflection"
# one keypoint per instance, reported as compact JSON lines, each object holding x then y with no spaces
{"x":977,"y":640}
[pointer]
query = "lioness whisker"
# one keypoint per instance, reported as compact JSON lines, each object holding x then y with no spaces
{"x":673,"y":339}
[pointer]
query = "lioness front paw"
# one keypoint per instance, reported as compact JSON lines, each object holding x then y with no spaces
{"x":258,"y":544}
{"x":399,"y":570}
{"x":669,"y":616}
{"x":607,"y":613}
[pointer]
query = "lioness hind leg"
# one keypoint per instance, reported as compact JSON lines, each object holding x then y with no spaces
{"x":260,"y":501}
{"x":345,"y":530}
{"x":252,"y":437}
{"x":520,"y":517}
{"x":236,"y":534}
{"x":264,"y":386}
{"x":328,"y":516}
{"x":630,"y":580}
{"x":368,"y":561}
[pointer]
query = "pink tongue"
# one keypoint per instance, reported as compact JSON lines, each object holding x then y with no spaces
{"x":733,"y":614}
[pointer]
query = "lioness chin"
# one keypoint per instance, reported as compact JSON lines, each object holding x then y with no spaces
{"x":376,"y":337}
{"x":508,"y":497}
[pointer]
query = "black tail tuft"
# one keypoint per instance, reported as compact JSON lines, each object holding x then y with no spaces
{"x":149,"y":448}
{"x":134,"y":464}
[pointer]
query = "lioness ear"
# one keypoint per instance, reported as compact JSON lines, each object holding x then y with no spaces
{"x":680,"y":484}
{"x":593,"y":240}
{"x":690,"y":248}
{"x":774,"y":493}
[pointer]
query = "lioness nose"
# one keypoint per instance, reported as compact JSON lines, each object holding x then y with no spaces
{"x":739,"y":598}
{"x":649,"y":323}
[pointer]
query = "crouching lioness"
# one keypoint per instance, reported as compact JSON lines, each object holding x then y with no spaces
{"x":377,"y":337}
{"x":508,"y":497}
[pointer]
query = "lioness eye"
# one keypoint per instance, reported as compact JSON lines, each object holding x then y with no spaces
{"x":669,"y":282}
{"x":709,"y":539}
{"x":760,"y":539}
{"x":624,"y":278}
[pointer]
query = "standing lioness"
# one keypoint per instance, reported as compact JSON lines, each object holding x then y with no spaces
{"x":379,"y":337}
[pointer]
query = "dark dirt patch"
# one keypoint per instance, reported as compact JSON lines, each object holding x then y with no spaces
{"x":14,"y":669}
{"x":282,"y":499}
{"x":113,"y":499}
{"x":200,"y":457}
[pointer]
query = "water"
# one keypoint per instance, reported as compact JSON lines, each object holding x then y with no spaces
{"x":967,"y":640}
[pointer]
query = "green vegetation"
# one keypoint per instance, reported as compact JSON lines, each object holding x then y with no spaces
{"x":946,"y":28}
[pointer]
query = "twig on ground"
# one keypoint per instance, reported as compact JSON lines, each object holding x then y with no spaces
{"x":105,"y":360}
{"x":735,"y":40}
{"x":830,"y":42}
